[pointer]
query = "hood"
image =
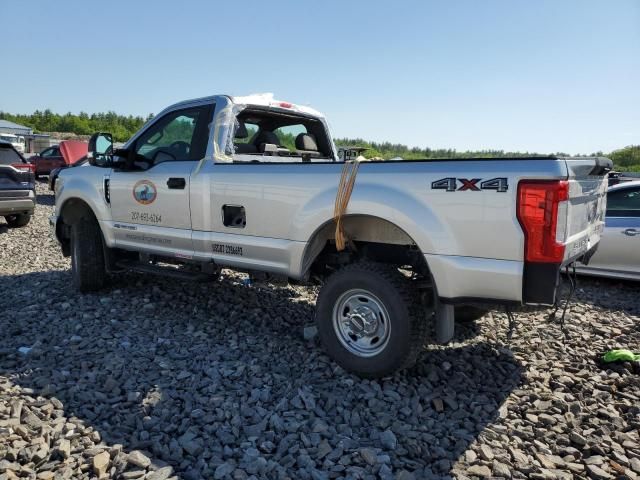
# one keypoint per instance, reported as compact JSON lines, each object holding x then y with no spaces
{"x":73,"y":150}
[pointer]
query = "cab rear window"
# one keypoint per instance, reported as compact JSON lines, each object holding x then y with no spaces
{"x":287,"y":135}
{"x":271,"y":136}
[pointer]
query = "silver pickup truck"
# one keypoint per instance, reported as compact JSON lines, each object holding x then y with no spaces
{"x":250,"y":183}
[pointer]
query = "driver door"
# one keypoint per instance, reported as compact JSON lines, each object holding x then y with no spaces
{"x":150,"y":199}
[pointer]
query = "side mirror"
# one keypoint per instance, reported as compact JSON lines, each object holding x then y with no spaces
{"x":121,"y":158}
{"x":100,"y":149}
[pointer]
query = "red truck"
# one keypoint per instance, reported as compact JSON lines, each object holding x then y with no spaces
{"x":63,"y":155}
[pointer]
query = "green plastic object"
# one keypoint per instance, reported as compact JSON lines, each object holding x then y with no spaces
{"x":620,"y":355}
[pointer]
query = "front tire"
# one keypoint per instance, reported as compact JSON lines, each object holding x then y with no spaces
{"x":16,"y":221}
{"x":87,"y":256}
{"x":370,"y":319}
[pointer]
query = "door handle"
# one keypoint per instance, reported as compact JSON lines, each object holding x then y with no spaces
{"x":176,"y":183}
{"x":631,"y":232}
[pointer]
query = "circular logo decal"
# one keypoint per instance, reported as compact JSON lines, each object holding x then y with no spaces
{"x":144,"y":192}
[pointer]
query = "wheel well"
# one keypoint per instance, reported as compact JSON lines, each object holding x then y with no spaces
{"x":71,"y":212}
{"x":74,"y":209}
{"x":370,"y":238}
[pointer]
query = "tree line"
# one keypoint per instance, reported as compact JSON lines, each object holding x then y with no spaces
{"x":627,"y":158}
{"x":120,"y":126}
{"x":124,"y":126}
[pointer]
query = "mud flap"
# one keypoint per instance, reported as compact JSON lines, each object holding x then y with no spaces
{"x":445,"y":322}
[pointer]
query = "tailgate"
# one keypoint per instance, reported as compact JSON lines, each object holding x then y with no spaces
{"x":11,"y":178}
{"x":586,"y":206}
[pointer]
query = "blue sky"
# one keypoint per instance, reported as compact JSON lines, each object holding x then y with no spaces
{"x":544,"y":75}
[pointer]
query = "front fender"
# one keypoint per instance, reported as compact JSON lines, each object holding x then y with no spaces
{"x":86,"y":186}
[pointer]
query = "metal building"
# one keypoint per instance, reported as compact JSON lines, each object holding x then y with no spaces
{"x":9,"y":127}
{"x":34,"y":142}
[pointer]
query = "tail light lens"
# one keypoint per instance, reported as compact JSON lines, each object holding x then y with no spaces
{"x":26,"y":167}
{"x":542,"y":210}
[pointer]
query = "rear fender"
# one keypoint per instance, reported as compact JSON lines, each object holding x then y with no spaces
{"x":400,"y":216}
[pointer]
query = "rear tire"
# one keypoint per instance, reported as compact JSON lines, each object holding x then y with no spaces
{"x":87,"y":256}
{"x":370,"y":319}
{"x":16,"y":221}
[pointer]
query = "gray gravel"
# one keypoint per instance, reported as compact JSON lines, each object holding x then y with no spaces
{"x":155,"y":379}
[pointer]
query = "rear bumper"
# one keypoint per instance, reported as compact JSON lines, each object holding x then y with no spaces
{"x":540,"y":283}
{"x":541,"y":280}
{"x":14,"y":202}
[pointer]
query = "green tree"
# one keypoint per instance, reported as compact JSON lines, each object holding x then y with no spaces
{"x":626,"y":157}
{"x":122,"y":127}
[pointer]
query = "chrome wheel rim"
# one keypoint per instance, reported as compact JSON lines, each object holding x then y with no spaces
{"x":361,"y":323}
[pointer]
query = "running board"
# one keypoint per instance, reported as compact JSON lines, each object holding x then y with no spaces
{"x":163,"y":271}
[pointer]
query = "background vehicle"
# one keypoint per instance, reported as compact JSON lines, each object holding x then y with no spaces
{"x":618,"y":254}
{"x":351,"y":153}
{"x":47,"y":160}
{"x":17,"y":186}
{"x":62,"y":155}
{"x":251,"y":183}
{"x":17,"y":141}
{"x":53,"y":175}
{"x":622,"y":177}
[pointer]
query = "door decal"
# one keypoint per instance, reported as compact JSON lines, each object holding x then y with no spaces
{"x":145,"y":192}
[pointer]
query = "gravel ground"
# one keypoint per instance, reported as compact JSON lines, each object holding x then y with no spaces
{"x":155,"y":379}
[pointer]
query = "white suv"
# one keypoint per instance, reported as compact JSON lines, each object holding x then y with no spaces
{"x":15,"y":140}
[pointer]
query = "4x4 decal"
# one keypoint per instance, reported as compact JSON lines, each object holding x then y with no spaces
{"x":450,"y":184}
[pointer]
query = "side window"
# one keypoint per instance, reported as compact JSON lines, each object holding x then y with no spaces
{"x":48,"y":152}
{"x":179,"y":135}
{"x":624,"y":203}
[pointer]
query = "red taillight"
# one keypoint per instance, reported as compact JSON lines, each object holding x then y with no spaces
{"x":538,"y":203}
{"x":27,"y":167}
{"x":284,"y":104}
